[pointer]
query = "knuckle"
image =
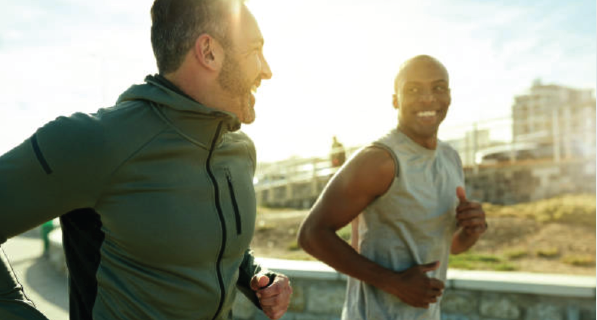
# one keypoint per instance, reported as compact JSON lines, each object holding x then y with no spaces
{"x":275,"y":290}
{"x":276,"y":300}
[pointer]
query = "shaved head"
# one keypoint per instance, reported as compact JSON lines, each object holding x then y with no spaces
{"x":416,"y":63}
{"x":422,"y":97}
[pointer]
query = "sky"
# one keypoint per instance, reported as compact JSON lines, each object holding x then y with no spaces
{"x":333,"y":62}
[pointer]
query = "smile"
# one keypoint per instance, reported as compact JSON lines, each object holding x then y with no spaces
{"x":426,"y":113}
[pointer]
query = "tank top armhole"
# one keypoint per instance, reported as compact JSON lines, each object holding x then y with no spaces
{"x":391,"y":152}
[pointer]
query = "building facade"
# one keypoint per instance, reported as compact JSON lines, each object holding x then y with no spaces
{"x":556,"y":117}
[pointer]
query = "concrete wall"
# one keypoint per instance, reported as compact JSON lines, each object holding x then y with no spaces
{"x":470,"y":295}
{"x":529,"y":181}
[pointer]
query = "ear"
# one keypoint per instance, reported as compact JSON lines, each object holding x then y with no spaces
{"x":208,"y":52}
{"x":395,"y":101}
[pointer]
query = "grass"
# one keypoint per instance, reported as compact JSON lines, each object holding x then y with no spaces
{"x":345,"y":233}
{"x":480,"y":261}
{"x":293,"y":246}
{"x":579,"y":260}
{"x":577,"y":209}
{"x":547,"y":252}
{"x":514,"y":254}
{"x":505,"y":267}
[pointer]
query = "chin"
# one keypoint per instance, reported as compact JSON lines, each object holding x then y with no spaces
{"x":248,"y":121}
{"x":248,"y":116}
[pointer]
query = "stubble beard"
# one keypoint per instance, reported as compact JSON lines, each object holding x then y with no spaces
{"x":232,"y":81}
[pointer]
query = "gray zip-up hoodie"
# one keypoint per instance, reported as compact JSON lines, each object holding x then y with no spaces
{"x":160,"y":202}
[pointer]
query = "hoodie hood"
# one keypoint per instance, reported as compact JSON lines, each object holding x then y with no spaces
{"x":154,"y":91}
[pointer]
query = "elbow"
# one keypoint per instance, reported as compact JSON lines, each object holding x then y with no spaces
{"x":454,"y":250}
{"x":305,"y":238}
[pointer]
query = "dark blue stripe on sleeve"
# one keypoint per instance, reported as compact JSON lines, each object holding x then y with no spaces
{"x":39,"y":155}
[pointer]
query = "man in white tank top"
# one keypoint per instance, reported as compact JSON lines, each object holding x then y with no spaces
{"x":405,"y":193}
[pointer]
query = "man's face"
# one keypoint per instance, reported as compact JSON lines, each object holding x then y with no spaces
{"x":244,"y":65}
{"x":422,"y":98}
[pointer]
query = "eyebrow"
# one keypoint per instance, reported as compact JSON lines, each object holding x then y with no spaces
{"x":418,"y":82}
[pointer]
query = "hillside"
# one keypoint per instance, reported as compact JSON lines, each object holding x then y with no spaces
{"x":549,"y":236}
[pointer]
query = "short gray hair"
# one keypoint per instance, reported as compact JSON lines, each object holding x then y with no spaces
{"x":176,"y":24}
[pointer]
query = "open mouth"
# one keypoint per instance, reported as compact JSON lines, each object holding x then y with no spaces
{"x":427,"y":114}
{"x":252,"y":100}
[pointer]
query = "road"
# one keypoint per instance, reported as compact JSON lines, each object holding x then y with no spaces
{"x":45,"y":286}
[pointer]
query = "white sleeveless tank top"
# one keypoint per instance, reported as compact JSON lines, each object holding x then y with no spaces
{"x":411,"y":224}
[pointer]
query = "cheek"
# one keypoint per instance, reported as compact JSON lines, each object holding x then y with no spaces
{"x":447,"y":101}
{"x":255,"y":66}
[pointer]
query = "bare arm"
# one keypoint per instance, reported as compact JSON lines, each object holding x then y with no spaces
{"x":471,"y":219}
{"x":364,"y":178}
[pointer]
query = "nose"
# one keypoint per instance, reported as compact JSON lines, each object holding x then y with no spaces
{"x":266,"y":72}
{"x":427,"y":97}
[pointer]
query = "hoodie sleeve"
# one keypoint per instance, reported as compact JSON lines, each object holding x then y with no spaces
{"x":14,"y":304}
{"x":58,"y":169}
{"x":247,"y":270}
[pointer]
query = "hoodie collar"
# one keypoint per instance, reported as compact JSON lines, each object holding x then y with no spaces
{"x":160,"y":79}
{"x":168,"y":95}
{"x":200,"y":124}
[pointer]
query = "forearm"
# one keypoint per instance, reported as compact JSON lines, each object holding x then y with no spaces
{"x":326,"y":246}
{"x":461,"y":241}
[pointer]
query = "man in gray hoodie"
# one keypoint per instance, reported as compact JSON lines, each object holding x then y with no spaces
{"x":156,"y":193}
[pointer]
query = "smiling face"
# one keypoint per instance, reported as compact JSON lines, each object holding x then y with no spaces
{"x":422,"y":99}
{"x":244,"y":65}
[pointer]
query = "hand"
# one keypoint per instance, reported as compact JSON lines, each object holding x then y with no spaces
{"x":415,"y":288}
{"x":470,"y":215}
{"x":274,"y":298}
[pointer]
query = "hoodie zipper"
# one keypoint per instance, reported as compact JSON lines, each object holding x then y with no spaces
{"x":222,"y":221}
{"x":234,"y":203}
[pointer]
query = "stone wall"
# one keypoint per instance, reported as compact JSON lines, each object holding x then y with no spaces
{"x":470,"y":295}
{"x":530,"y":180}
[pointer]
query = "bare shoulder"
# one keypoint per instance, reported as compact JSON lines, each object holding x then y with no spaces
{"x":373,"y":167}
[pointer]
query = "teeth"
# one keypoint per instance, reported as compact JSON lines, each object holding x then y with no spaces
{"x":426,"y":113}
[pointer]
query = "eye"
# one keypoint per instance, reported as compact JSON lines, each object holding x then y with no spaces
{"x":441,"y":89}
{"x":412,"y":90}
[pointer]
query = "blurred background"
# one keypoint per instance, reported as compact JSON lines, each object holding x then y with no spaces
{"x":522,"y":74}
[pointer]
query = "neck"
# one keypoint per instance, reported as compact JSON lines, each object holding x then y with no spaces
{"x":202,"y":89}
{"x":427,"y":142}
